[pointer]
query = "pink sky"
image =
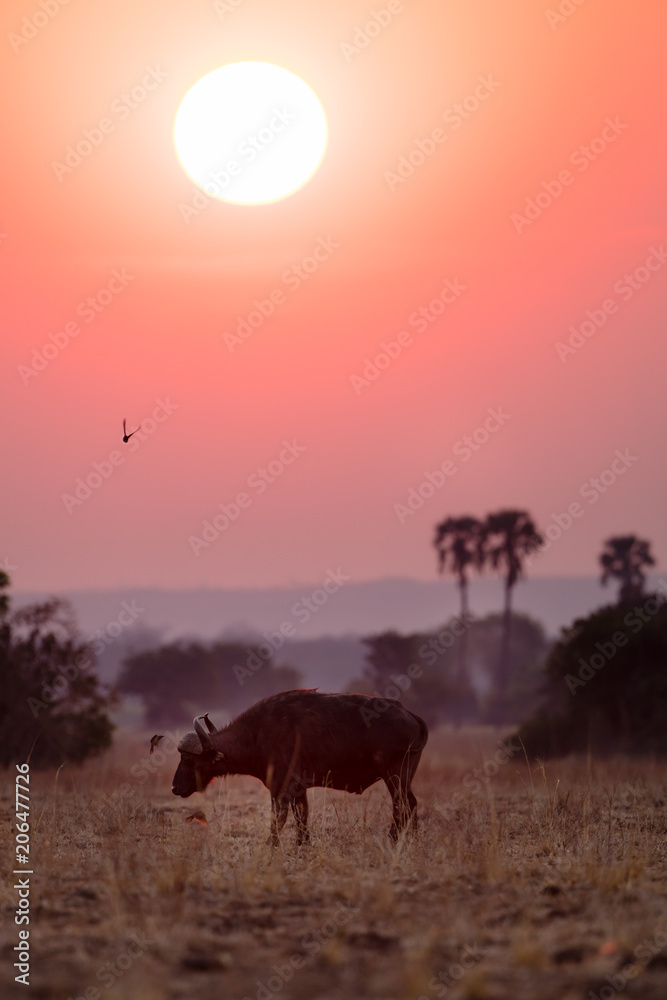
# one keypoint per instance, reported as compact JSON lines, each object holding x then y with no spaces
{"x":545,"y":88}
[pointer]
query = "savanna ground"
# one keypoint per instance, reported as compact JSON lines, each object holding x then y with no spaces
{"x":538,"y":883}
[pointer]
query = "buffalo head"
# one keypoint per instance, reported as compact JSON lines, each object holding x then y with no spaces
{"x":200,"y":760}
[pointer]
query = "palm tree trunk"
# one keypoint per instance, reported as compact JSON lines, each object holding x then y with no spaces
{"x":463,"y":640}
{"x":503,"y":662}
{"x":467,"y":698}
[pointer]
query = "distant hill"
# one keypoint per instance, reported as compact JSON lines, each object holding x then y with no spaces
{"x":324,"y":643}
{"x":354,"y":609}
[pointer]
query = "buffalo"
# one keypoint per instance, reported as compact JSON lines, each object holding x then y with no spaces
{"x":297,"y":740}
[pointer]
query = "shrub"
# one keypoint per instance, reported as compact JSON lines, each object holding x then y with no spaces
{"x":52,"y":706}
{"x":606,"y":685}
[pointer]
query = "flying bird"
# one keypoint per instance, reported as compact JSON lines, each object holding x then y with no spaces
{"x":126,"y":436}
{"x":155,"y":740}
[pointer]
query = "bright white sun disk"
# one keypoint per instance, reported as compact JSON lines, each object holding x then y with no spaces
{"x":250,"y":133}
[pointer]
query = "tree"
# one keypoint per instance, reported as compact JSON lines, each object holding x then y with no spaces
{"x":527,"y":651}
{"x":509,"y":536}
{"x":420,"y":669}
{"x":624,"y":558}
{"x":605,"y":685}
{"x":458,"y":541}
{"x":179,"y":679}
{"x":390,"y":672}
{"x":52,"y":708}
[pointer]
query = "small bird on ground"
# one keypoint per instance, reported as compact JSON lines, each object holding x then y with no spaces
{"x":155,"y":740}
{"x":126,"y":436}
{"x":197,"y":817}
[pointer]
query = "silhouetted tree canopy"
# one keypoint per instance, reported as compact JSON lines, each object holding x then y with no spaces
{"x":606,"y":685}
{"x":52,"y":706}
{"x":624,"y":558}
{"x":181,"y":679}
{"x":458,"y":542}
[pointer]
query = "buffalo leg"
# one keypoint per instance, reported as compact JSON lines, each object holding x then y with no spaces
{"x":279,"y":810}
{"x":404,"y":805}
{"x":300,"y":810}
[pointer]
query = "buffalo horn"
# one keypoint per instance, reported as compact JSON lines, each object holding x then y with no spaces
{"x":204,"y":737}
{"x":209,"y":725}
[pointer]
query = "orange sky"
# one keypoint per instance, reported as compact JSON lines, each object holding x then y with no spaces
{"x":592,"y":78}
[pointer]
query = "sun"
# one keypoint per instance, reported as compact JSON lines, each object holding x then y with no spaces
{"x":250,"y":133}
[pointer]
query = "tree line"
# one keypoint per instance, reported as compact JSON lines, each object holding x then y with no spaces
{"x":602,"y":684}
{"x":176,"y":679}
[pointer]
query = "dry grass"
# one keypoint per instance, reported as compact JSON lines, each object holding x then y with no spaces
{"x":539,"y":883}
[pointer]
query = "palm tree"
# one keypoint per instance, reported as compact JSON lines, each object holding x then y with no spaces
{"x":509,"y":536}
{"x":624,"y":558}
{"x":458,"y":541}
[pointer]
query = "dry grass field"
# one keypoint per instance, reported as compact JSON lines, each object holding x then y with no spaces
{"x":535,"y":883}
